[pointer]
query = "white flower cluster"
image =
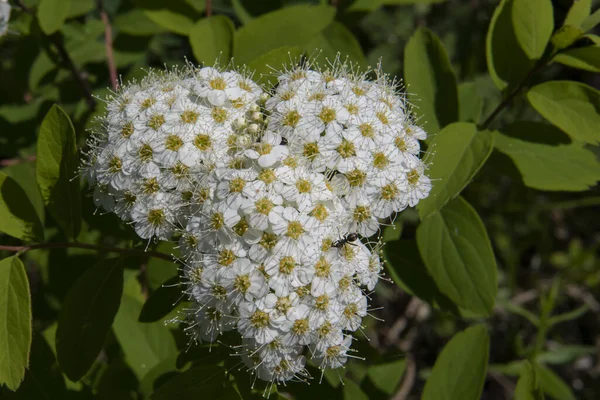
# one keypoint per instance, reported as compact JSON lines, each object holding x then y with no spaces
{"x":268,"y":196}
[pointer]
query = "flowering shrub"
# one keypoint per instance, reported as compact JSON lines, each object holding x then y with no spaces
{"x":203,"y":198}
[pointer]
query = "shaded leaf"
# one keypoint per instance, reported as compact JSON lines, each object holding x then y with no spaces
{"x":456,"y":250}
{"x":18,"y":216}
{"x":568,"y":167}
{"x":430,"y":81}
{"x":353,"y":392}
{"x":533,"y":22}
{"x":551,"y":384}
{"x":15,"y":329}
{"x":459,"y":372}
{"x":86,"y":317}
{"x":137,"y":23}
{"x":460,"y":151}
{"x":285,"y":27}
{"x":171,"y":20}
{"x":470,"y":102}
{"x":572,"y":106}
{"x":564,"y":354}
{"x":162,"y":301}
{"x":265,"y":65}
{"x":527,"y":386}
{"x":586,"y":58}
{"x":334,"y":39}
{"x":205,"y":381}
{"x":56,"y":170}
{"x":52,"y":14}
{"x":212,"y":39}
{"x":386,"y":377}
{"x":160,"y":270}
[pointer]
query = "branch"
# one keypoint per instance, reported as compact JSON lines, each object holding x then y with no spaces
{"x":14,"y":161}
{"x":118,"y":250}
{"x":110,"y":58}
{"x":208,"y":6}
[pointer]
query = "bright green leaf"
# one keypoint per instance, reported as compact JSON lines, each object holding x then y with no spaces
{"x":86,"y":317}
{"x":551,"y":384}
{"x":52,"y":14}
{"x":568,"y":167}
{"x":457,"y":252}
{"x":56,"y":170}
{"x":533,"y":22}
{"x":334,"y":39}
{"x":171,"y":20}
{"x":460,"y":151}
{"x":80,"y":7}
{"x":590,"y":22}
{"x":204,"y":381}
{"x":353,"y":392}
{"x":565,"y":37}
{"x":211,"y":39}
{"x":145,"y":345}
{"x":578,"y":12}
{"x":18,"y":216}
{"x":507,"y":62}
{"x":15,"y":329}
{"x":586,"y":58}
{"x":265,"y":65}
{"x":459,"y":372}
{"x":430,"y":81}
{"x":470,"y":102}
{"x":162,"y":301}
{"x":572,"y":106}
{"x":285,"y":27}
{"x":386,"y":377}
{"x":527,"y":386}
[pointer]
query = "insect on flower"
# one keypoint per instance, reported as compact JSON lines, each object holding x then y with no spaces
{"x":347,"y":238}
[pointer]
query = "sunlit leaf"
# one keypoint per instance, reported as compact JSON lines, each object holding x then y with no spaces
{"x":211,"y":39}
{"x":533,"y":22}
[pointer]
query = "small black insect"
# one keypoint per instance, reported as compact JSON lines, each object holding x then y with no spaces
{"x":348,"y":238}
{"x":284,"y":141}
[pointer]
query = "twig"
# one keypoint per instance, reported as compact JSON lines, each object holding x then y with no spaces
{"x":56,"y":40}
{"x":208,"y":6}
{"x":408,"y":381}
{"x":110,"y":58}
{"x":118,"y":250}
{"x":14,"y":161}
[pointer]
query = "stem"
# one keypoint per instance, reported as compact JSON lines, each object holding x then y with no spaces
{"x":56,"y":40}
{"x":208,"y":6}
{"x":110,"y":58}
{"x":118,"y":250}
{"x":14,"y":161}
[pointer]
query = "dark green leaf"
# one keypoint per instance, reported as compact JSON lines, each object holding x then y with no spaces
{"x":334,"y":39}
{"x":15,"y":329}
{"x":18,"y":216}
{"x":551,"y":384}
{"x":56,"y":170}
{"x":527,"y":385}
{"x":507,"y":62}
{"x":586,"y":58}
{"x":286,"y":27}
{"x":212,"y":39}
{"x":460,"y":151}
{"x":470,"y":102}
{"x":386,"y":377}
{"x":564,"y":354}
{"x":160,"y":270}
{"x":86,"y":317}
{"x":457,"y":252}
{"x":353,"y":392}
{"x":264,"y":67}
{"x":205,"y":381}
{"x":24,"y":174}
{"x":572,"y":106}
{"x":52,"y":14}
{"x":162,"y":301}
{"x":568,"y":167}
{"x":80,"y":7}
{"x":533,"y":22}
{"x":568,"y":316}
{"x":171,"y":20}
{"x":137,"y":23}
{"x":430,"y":81}
{"x":459,"y":372}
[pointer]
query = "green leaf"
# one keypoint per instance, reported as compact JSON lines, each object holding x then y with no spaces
{"x":334,"y":39}
{"x":136,"y":23}
{"x":18,"y":216}
{"x":507,"y":62}
{"x":568,"y":167}
{"x":204,"y":381}
{"x":527,"y":385}
{"x":145,"y":345}
{"x":430,"y":81}
{"x":586,"y":58}
{"x":87,"y":315}
{"x":460,"y":151}
{"x":572,"y":106}
{"x":289,"y":26}
{"x":15,"y":329}
{"x":160,"y":270}
{"x":265,"y":65}
{"x":56,"y":171}
{"x":459,"y":372}
{"x":457,"y":252}
{"x":24,"y":174}
{"x":212,"y":39}
{"x":52,"y":14}
{"x":470,"y":102}
{"x":564,"y":354}
{"x":533,"y":22}
{"x":386,"y":377}
{"x":353,"y":392}
{"x":171,"y":20}
{"x":568,"y":316}
{"x":566,"y":36}
{"x":590,"y":22}
{"x":578,"y":12}
{"x":551,"y":384}
{"x":162,"y":301}
{"x":406,"y":269}
{"x":80,"y":7}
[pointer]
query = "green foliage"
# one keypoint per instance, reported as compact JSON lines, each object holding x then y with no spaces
{"x":459,"y":371}
{"x":212,"y":39}
{"x":17,"y":213}
{"x":52,"y":14}
{"x":15,"y":314}
{"x":56,"y":168}
{"x":527,"y":385}
{"x":86,"y":317}
{"x":533,"y":23}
